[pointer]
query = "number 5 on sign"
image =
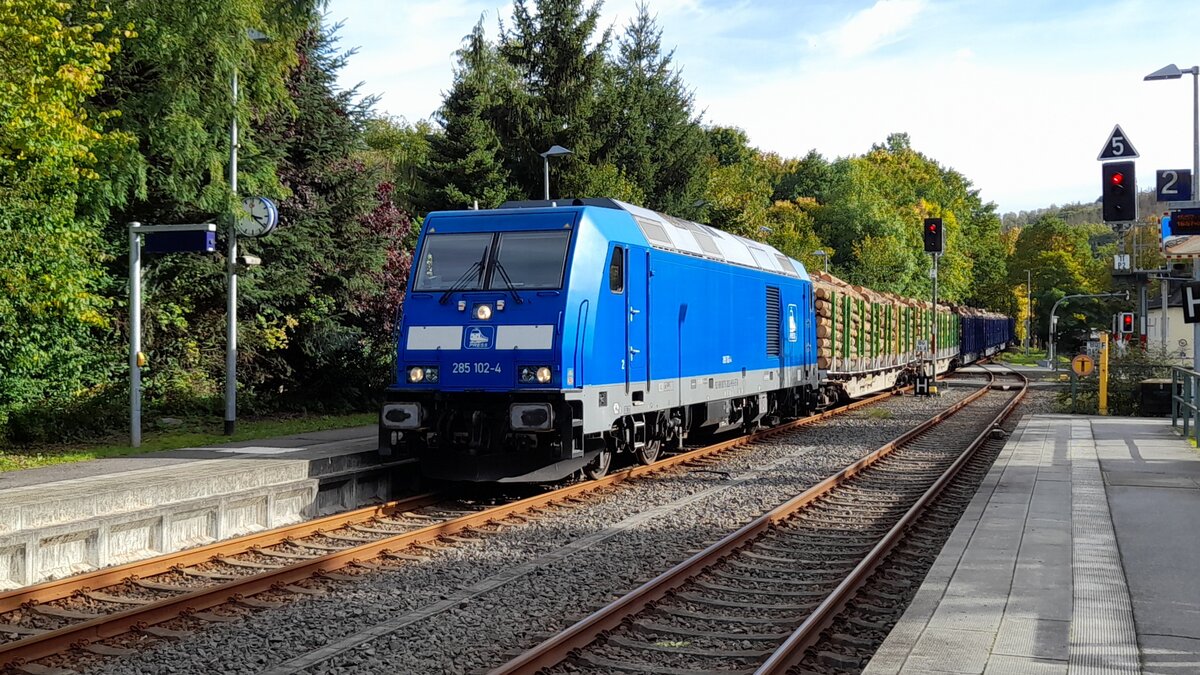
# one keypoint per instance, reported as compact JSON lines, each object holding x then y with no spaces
{"x":1174,"y":185}
{"x":1118,"y":146}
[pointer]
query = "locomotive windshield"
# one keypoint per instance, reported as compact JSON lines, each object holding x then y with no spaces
{"x":532,"y":260}
{"x":453,"y":260}
{"x":504,"y":260}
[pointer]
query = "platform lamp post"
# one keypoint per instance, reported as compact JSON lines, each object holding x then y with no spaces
{"x":824,"y":259}
{"x":231,"y":259}
{"x":1172,"y":72}
{"x":554,"y":151}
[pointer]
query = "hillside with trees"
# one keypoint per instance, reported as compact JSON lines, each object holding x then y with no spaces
{"x":111,"y":114}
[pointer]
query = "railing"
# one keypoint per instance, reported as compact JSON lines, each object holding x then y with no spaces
{"x":1185,"y":387}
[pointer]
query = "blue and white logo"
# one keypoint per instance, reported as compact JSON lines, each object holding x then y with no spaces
{"x":479,"y":337}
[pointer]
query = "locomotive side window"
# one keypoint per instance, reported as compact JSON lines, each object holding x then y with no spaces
{"x":453,"y":260}
{"x":616,"y":271}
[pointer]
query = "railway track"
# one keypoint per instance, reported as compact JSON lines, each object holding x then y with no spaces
{"x":757,"y":600}
{"x":261,"y":570}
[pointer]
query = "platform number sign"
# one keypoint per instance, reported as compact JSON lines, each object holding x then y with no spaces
{"x":1118,"y":146}
{"x":1174,"y":185}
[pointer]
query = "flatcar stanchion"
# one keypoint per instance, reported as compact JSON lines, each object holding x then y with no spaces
{"x":197,"y":238}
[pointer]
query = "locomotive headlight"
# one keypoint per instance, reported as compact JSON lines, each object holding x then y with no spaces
{"x":543,"y":374}
{"x":416,"y":374}
{"x":431,"y":374}
{"x":483,"y":312}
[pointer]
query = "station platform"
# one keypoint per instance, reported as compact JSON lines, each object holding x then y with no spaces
{"x":71,"y":518}
{"x":1079,"y":554}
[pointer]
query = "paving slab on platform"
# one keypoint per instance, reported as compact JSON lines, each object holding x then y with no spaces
{"x":1077,"y":555}
{"x":61,"y":520}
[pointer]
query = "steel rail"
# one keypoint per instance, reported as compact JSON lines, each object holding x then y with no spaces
{"x":59,"y":589}
{"x":555,"y":649}
{"x":789,"y":654}
{"x":31,"y":648}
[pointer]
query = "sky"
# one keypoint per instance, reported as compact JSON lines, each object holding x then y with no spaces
{"x":1018,"y":96}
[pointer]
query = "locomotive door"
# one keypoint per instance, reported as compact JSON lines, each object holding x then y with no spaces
{"x":792,"y":333}
{"x":637,"y":322}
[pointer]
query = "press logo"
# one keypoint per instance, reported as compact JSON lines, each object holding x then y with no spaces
{"x":479,"y":337}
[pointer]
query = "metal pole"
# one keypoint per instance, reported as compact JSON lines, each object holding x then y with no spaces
{"x":933,"y":335}
{"x":1143,"y":307}
{"x":1103,"y":395}
{"x":546,"y":178}
{"x":231,"y":281}
{"x":1164,"y":291}
{"x":1028,"y":310}
{"x":135,"y":336}
{"x":1195,"y":195}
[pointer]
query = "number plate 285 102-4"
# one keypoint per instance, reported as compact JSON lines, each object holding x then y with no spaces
{"x":475,"y":368}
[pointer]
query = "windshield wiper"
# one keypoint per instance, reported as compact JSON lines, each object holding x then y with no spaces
{"x":508,"y":284}
{"x":467,"y":277}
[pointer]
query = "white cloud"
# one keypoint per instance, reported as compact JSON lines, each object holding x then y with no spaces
{"x":870,"y":29}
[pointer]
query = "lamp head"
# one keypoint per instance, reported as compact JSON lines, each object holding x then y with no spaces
{"x":1171,"y":72}
{"x":556,"y":151}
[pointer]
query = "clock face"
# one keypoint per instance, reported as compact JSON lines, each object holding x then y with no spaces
{"x":259,"y":216}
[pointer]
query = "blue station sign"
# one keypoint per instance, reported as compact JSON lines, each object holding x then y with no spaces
{"x":195,"y":241}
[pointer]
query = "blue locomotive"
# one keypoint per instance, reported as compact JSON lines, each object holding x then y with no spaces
{"x":540,"y":339}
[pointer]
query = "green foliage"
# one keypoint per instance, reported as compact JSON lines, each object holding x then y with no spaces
{"x":1062,"y":263}
{"x":560,"y":64}
{"x":53,"y":143}
{"x":400,"y":151}
{"x":657,"y":144}
{"x":466,"y":164}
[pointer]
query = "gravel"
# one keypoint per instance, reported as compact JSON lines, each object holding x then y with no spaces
{"x":470,"y":604}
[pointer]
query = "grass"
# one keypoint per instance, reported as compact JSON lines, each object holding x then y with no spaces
{"x":192,"y":433}
{"x":879,"y":414}
{"x":1018,"y":357}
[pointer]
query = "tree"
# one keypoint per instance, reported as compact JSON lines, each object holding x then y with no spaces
{"x":467,"y":161}
{"x":561,"y":66}
{"x":1061,"y":261}
{"x":400,"y":151}
{"x":659,"y":146}
{"x":54,"y":142}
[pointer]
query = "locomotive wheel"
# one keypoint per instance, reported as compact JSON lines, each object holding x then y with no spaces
{"x":648,"y":453}
{"x":598,"y":467}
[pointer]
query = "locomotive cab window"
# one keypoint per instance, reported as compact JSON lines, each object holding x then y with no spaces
{"x":616,"y":271}
{"x":530,"y":260}
{"x":453,"y":260}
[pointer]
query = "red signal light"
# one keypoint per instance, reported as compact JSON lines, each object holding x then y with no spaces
{"x":1118,"y":179}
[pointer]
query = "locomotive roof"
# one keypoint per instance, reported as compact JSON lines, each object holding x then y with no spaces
{"x":669,"y":233}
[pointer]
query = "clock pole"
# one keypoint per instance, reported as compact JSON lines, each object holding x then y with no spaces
{"x":231,"y":279}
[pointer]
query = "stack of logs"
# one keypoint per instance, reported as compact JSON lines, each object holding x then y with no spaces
{"x":825,"y":286}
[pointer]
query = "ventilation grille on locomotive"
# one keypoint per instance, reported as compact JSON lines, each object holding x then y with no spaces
{"x":772,"y":321}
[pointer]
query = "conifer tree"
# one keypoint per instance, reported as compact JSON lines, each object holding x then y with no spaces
{"x":467,"y":165}
{"x":561,"y":64}
{"x":658,"y":143}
